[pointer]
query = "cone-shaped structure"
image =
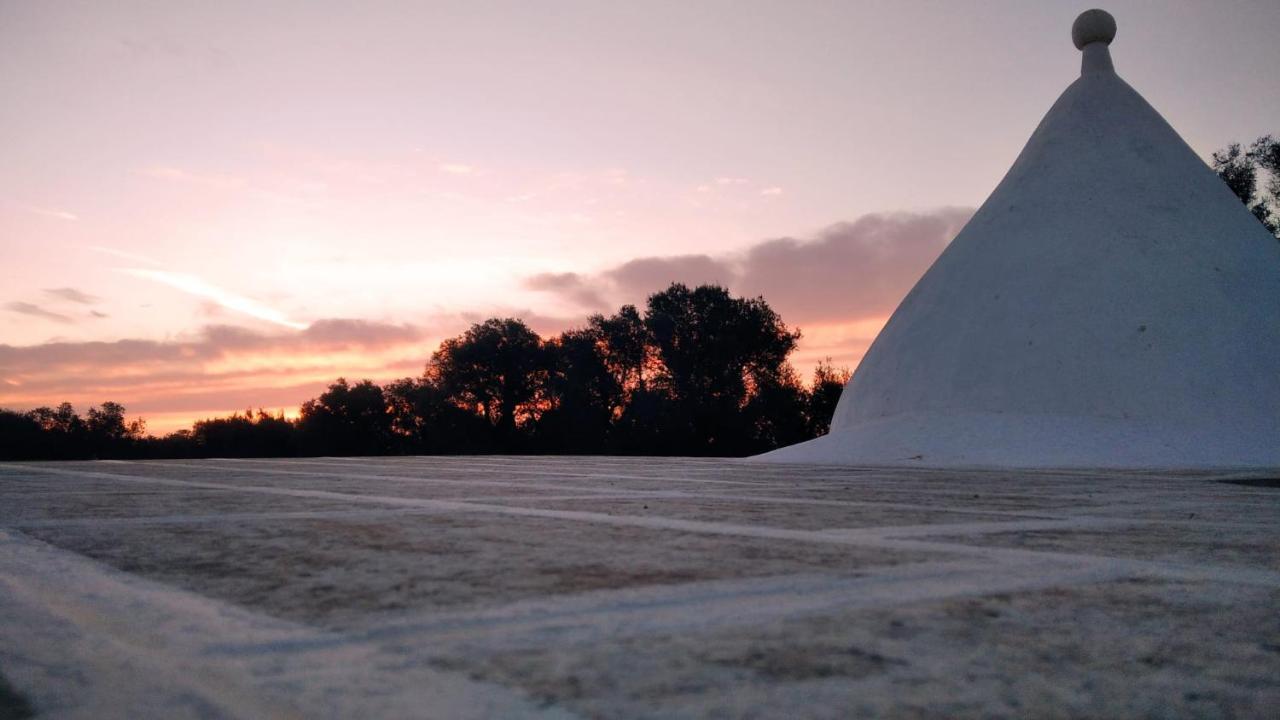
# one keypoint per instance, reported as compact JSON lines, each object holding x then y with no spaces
{"x":1112,"y":304}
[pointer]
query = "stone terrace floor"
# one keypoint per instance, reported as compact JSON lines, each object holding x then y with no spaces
{"x":633,"y":587}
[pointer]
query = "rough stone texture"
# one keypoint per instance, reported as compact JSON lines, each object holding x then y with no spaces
{"x":336,"y":571}
{"x":633,"y":587}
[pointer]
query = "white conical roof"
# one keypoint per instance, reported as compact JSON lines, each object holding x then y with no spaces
{"x":1112,"y":304}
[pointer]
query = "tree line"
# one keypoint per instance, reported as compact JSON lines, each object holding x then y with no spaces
{"x":697,"y":372}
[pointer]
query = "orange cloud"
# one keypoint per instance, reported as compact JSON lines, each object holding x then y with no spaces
{"x":837,"y":287}
{"x":224,"y":368}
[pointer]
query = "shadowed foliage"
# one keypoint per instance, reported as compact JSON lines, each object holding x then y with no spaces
{"x":60,"y":433}
{"x":824,"y":394}
{"x":716,"y":356}
{"x":346,"y":420}
{"x":498,"y":368}
{"x":248,"y":435}
{"x":1253,"y":174}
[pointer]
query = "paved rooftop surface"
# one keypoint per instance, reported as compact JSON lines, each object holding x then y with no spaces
{"x":633,"y":587}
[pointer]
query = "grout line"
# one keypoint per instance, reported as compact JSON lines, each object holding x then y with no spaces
{"x":212,"y":518}
{"x":714,"y":528}
{"x":601,"y":615}
{"x":606,"y":492}
{"x":500,"y":469}
{"x":94,"y":642}
{"x":397,"y":478}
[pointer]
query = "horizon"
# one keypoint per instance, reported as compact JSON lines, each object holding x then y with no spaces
{"x":209,"y":209}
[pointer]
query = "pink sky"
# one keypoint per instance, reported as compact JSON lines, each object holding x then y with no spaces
{"x":209,"y":206}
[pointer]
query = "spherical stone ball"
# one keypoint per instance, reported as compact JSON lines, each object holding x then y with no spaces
{"x":1093,"y":26}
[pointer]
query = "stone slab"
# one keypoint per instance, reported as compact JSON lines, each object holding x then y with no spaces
{"x":633,"y":587}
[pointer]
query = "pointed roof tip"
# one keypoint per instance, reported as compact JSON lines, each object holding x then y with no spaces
{"x":1093,"y":26}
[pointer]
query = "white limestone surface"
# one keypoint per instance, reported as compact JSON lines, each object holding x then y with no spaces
{"x":633,"y":588}
{"x":1112,"y":304}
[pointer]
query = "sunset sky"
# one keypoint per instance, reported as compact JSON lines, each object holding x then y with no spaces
{"x":210,"y":206}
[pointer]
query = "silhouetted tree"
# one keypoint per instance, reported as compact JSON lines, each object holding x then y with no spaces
{"x":775,"y":413}
{"x":1241,"y":170}
{"x":824,"y":394}
{"x":62,"y":420}
{"x":23,"y":438}
{"x":582,"y":394}
{"x":1237,"y":171}
{"x":652,"y":424}
{"x":110,"y":433}
{"x":1265,"y":154}
{"x":61,"y":434}
{"x":497,"y":368}
{"x":425,"y":420}
{"x":624,"y":347}
{"x":346,"y":420}
{"x":177,"y":444}
{"x":65,"y":435}
{"x":248,"y":435}
{"x":715,"y":349}
{"x":642,"y":416}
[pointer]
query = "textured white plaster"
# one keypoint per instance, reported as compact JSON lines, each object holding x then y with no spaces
{"x":1112,"y":304}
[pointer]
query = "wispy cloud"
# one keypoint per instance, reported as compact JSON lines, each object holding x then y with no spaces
{"x":123,"y":255}
{"x":72,"y":295}
{"x":725,"y":180}
{"x":771,"y":191}
{"x":26,"y":308}
{"x":201,"y":288}
{"x":456,"y":169}
{"x":53,"y":213}
{"x":174,"y":174}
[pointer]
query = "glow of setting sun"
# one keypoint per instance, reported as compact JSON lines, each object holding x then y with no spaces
{"x":174,"y":171}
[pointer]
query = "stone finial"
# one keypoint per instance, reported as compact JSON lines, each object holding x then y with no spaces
{"x":1093,"y":26}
